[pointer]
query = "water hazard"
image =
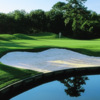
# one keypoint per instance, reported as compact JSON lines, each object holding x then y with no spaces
{"x":73,"y":88}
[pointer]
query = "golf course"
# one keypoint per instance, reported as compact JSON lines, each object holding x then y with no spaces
{"x":56,"y":42}
{"x":36,"y":43}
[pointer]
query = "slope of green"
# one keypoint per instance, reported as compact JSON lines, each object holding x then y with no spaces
{"x":9,"y":74}
{"x":19,"y":36}
{"x":89,"y":47}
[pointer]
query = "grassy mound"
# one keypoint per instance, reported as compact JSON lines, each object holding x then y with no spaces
{"x":45,"y":35}
{"x":6,"y":37}
{"x":19,"y":36}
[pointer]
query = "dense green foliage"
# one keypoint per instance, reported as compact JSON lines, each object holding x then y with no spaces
{"x":71,"y":18}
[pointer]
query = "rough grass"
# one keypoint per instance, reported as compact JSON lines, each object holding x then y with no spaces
{"x":38,"y":42}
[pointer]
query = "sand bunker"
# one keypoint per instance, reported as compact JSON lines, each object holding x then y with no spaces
{"x":49,"y":60}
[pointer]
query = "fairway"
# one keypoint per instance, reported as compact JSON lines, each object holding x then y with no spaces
{"x":89,"y":47}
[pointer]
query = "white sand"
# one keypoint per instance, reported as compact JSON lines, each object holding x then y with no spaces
{"x":49,"y":60}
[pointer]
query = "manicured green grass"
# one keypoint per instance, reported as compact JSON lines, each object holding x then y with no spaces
{"x":19,"y":36}
{"x":38,"y":42}
{"x":9,"y":74}
{"x":89,"y":47}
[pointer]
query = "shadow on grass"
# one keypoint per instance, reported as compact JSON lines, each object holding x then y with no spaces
{"x":4,"y":51}
{"x":86,"y":52}
{"x":42,"y":48}
{"x":9,"y":74}
{"x":11,"y":44}
{"x":17,"y":36}
{"x":16,"y":72}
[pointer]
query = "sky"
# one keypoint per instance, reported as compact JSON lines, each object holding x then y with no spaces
{"x":7,"y":6}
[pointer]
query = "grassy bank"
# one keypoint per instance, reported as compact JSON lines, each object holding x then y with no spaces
{"x":38,"y":42}
{"x":9,"y":74}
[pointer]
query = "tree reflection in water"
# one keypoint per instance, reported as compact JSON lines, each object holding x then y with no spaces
{"x":74,"y":85}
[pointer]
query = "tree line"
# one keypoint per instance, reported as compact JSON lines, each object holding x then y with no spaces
{"x":72,"y":19}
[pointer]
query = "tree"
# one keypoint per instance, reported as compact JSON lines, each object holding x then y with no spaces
{"x":76,"y":14}
{"x":38,"y":20}
{"x":76,"y":3}
{"x":19,"y":20}
{"x":55,"y":21}
{"x":59,"y":6}
{"x":3,"y":23}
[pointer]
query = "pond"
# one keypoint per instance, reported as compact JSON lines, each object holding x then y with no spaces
{"x":73,"y":88}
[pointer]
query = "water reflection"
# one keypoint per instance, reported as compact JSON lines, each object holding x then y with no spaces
{"x":76,"y":88}
{"x":74,"y":85}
